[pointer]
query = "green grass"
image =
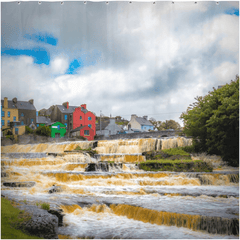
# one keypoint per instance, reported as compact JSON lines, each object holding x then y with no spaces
{"x":170,"y":161}
{"x":176,"y":151}
{"x":45,"y":206}
{"x":11,"y":218}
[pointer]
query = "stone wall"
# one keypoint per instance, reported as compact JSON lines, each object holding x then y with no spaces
{"x":31,"y":139}
{"x":158,"y":134}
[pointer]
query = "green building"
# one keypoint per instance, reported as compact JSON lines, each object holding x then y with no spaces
{"x":58,"y":130}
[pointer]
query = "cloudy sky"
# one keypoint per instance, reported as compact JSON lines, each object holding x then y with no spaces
{"x":121,"y":58}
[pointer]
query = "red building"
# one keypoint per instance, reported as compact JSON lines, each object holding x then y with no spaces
{"x":82,"y":117}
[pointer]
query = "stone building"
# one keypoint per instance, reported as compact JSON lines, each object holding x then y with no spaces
{"x":140,"y":123}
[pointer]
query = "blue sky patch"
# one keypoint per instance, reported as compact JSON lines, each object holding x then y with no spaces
{"x":233,"y":11}
{"x":40,"y":55}
{"x":86,"y":59}
{"x":46,"y":38}
{"x":74,"y":65}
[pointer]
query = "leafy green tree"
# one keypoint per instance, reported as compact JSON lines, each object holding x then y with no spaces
{"x":28,"y":130}
{"x":168,"y":124}
{"x":213,"y":122}
{"x":43,"y":131}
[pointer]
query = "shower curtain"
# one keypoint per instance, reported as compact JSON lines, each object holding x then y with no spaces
{"x":121,"y":58}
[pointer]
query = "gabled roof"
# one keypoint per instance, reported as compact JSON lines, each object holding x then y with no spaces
{"x":10,"y":104}
{"x":143,"y":121}
{"x":42,"y":119}
{"x":19,"y":105}
{"x":79,"y":128}
{"x":104,"y":124}
{"x":63,"y":109}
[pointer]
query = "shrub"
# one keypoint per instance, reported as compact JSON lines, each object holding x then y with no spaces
{"x":45,"y":206}
{"x":43,"y":131}
{"x":175,"y":151}
{"x":28,"y":130}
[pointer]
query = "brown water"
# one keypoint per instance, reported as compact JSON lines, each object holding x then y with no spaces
{"x":124,"y":202}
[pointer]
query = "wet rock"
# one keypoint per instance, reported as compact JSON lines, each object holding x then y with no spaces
{"x":19,"y":184}
{"x":41,"y":224}
{"x":54,"y":189}
{"x":102,"y":166}
{"x":59,"y":214}
{"x":4,"y":174}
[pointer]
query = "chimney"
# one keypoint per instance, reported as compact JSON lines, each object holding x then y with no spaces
{"x":145,"y":117}
{"x":66,"y":105}
{"x":14,"y":100}
{"x":129,"y":127}
{"x":84,"y":106}
{"x":5,"y":104}
{"x":31,"y":101}
{"x":133,"y":116}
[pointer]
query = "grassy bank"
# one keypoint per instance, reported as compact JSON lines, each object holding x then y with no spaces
{"x":11,"y":219}
{"x":176,"y":166}
{"x":173,"y":159}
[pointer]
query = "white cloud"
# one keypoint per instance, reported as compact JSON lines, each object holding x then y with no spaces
{"x":59,"y":65}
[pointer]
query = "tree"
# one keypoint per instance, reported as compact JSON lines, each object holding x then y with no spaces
{"x":213,"y":122}
{"x":168,"y":124}
{"x":43,"y":131}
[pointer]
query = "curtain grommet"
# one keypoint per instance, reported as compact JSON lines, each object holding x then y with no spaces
{"x":85,"y":2}
{"x":107,"y":2}
{"x":39,"y":3}
{"x":217,"y":3}
{"x":154,"y":2}
{"x":61,"y":3}
{"x":172,"y":2}
{"x":19,"y":3}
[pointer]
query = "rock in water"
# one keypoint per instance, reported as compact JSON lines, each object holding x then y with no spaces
{"x":41,"y":224}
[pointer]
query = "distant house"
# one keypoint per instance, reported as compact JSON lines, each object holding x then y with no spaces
{"x":63,"y":114}
{"x":84,"y":131}
{"x":21,"y":113}
{"x":26,"y":111}
{"x":42,"y":121}
{"x":109,"y":129}
{"x":72,"y":116}
{"x":83,"y":117}
{"x":140,"y":123}
{"x":58,"y":130}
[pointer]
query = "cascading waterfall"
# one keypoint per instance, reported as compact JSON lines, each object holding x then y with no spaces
{"x":107,"y":196}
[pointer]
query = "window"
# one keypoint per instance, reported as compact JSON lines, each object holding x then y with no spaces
{"x":58,"y":127}
{"x":90,"y":125}
{"x":89,"y":118}
{"x":3,"y":114}
{"x":86,"y":132}
{"x":22,"y":123}
{"x":65,"y":117}
{"x":16,"y":131}
{"x":3,"y":122}
{"x":80,"y":117}
{"x":31,"y":120}
{"x":37,"y":124}
{"x":36,"y":113}
{"x":14,"y":118}
{"x":22,"y":115}
{"x":8,"y":123}
{"x":65,"y":125}
{"x":8,"y":114}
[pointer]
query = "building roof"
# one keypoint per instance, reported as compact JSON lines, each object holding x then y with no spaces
{"x":143,"y":121}
{"x":19,"y":105}
{"x":104,"y":124}
{"x":42,"y":119}
{"x":63,"y":109}
{"x":78,"y":129}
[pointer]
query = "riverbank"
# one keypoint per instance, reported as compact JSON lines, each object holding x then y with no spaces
{"x":22,"y":221}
